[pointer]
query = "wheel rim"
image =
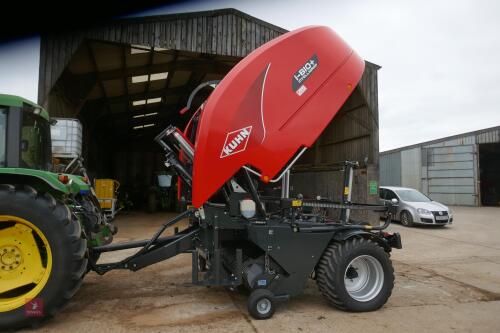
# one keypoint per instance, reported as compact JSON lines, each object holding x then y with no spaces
{"x":404,"y":219}
{"x":25,"y":262}
{"x":364,"y":278}
{"x":264,"y":306}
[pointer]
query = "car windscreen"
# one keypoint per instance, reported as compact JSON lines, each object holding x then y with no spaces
{"x":412,"y":196}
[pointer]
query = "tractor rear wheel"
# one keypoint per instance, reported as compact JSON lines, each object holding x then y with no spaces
{"x":355,"y":275}
{"x":42,"y":256}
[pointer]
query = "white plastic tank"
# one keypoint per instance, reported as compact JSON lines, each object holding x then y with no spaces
{"x":66,"y":137}
{"x":165,"y":180}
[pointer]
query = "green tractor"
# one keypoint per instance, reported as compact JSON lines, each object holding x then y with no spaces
{"x":49,"y":221}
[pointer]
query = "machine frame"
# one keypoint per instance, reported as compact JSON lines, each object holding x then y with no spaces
{"x":272,"y":251}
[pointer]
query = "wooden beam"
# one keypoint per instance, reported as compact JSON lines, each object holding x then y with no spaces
{"x":172,"y":72}
{"x":125,"y":79}
{"x":99,"y":81}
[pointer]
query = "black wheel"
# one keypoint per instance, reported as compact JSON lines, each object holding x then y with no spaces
{"x":91,"y":219}
{"x":42,"y":255}
{"x":355,"y":275}
{"x":406,"y":219}
{"x":261,"y":304}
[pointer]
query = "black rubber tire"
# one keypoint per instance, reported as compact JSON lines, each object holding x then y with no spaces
{"x":406,"y":219}
{"x":90,"y":224}
{"x":254,"y":298}
{"x":66,"y":239}
{"x":333,"y":264}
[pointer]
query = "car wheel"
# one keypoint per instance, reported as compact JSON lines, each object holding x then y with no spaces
{"x":406,"y":219}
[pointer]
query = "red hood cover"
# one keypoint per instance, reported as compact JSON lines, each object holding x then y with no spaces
{"x":273,"y":102}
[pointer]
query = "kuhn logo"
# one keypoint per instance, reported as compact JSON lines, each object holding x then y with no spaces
{"x":236,"y":141}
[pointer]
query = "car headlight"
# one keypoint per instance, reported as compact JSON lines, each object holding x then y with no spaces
{"x":423,"y":211}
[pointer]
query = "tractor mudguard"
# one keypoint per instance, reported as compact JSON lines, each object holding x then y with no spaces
{"x":386,"y":240}
{"x":76,"y":185}
{"x":273,"y":103}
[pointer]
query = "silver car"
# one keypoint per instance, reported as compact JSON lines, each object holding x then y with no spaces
{"x":415,"y":207}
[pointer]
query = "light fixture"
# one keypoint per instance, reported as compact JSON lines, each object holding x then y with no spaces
{"x":158,"y":76}
{"x":146,"y":101}
{"x":139,"y":102}
{"x":139,"y":78}
{"x":143,"y":126}
{"x":153,"y":100}
{"x":150,"y":77}
{"x":145,"y":115}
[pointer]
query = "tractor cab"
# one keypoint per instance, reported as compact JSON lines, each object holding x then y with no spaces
{"x":24,"y":134}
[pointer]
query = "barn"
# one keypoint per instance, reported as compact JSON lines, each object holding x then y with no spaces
{"x":456,"y":170}
{"x":127,"y":80}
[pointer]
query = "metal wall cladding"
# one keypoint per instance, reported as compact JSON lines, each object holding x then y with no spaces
{"x":449,"y":167}
{"x":449,"y":172}
{"x":411,"y":168}
{"x":390,"y":169}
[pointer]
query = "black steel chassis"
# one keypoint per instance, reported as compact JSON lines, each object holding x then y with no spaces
{"x":276,"y":251}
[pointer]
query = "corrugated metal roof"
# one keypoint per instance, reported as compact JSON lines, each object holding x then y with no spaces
{"x":487,"y":135}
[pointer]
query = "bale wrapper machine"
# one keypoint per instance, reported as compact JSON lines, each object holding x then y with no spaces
{"x":253,"y":127}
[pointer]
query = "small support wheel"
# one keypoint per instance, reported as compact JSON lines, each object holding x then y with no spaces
{"x":261,"y":304}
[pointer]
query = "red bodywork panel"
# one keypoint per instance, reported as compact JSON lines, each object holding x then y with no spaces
{"x":273,"y":102}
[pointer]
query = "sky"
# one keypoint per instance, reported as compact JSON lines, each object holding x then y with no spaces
{"x":440,"y":59}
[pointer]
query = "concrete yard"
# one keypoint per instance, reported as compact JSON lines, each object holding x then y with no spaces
{"x":447,"y":279}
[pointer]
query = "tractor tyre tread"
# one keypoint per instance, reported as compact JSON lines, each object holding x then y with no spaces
{"x":69,"y":250}
{"x":332,"y":265}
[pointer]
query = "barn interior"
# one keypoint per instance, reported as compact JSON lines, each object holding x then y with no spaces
{"x":130,"y":93}
{"x":489,"y":164}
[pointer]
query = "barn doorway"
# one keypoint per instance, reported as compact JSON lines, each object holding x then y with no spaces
{"x":125,"y":95}
{"x":489,"y":175}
